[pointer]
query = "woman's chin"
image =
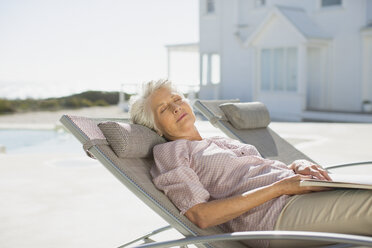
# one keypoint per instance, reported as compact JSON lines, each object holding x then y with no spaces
{"x":187,"y":122}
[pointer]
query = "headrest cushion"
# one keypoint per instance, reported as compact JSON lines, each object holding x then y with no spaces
{"x":249,"y":115}
{"x":130,"y":140}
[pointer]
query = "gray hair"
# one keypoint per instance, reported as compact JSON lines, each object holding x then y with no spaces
{"x":140,"y":111}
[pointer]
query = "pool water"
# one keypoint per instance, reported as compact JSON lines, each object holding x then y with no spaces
{"x":35,"y":141}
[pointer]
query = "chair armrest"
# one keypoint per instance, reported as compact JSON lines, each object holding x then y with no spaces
{"x":292,"y":235}
{"x":347,"y":164}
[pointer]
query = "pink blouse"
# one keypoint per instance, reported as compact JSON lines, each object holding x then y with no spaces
{"x":193,"y":172}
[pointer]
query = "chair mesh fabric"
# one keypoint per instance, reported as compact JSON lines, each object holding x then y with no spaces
{"x":214,"y":107}
{"x":268,"y":143}
{"x":130,"y":140}
{"x":87,"y":126}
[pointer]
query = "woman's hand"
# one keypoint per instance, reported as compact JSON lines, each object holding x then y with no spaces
{"x":291,"y":186}
{"x":304,"y":167}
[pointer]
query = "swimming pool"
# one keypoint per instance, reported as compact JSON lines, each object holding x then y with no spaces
{"x":38,"y":141}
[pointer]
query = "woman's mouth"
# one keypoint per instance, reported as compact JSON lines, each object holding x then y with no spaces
{"x":181,"y":117}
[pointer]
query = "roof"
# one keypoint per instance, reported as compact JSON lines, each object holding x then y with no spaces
{"x":303,"y":22}
{"x":186,"y":47}
{"x":297,"y":18}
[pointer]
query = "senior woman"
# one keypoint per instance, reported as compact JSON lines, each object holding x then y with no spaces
{"x":220,"y":181}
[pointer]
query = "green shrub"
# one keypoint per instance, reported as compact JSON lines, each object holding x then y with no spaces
{"x":72,"y":102}
{"x":6,"y":107}
{"x":100,"y":102}
{"x":84,"y":99}
{"x":49,"y":104}
{"x":111,"y":98}
{"x":86,"y":103}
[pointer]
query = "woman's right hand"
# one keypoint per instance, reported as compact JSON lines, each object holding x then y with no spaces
{"x":291,"y":186}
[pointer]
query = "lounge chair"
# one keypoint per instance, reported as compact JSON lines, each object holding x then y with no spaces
{"x":267,"y":142}
{"x":133,"y":172}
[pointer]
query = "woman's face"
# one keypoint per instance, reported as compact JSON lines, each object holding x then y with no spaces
{"x":173,"y":116}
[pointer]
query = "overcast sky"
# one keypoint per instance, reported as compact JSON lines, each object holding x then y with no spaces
{"x":52,"y":47}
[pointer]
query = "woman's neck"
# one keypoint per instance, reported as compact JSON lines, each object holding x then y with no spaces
{"x":192,"y":134}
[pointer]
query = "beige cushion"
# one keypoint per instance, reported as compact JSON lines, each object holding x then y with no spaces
{"x":247,"y":115}
{"x":130,"y":140}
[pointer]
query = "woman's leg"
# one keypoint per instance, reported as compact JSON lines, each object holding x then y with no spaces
{"x":336,"y":211}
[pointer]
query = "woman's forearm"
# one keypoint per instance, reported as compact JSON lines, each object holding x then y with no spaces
{"x":220,"y":211}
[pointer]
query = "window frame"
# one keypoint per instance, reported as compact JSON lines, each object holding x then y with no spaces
{"x":207,"y":73}
{"x":209,"y":3}
{"x":259,"y":3}
{"x":330,"y":7}
{"x":286,"y":86}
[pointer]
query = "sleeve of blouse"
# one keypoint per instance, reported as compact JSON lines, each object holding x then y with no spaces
{"x":174,"y":176}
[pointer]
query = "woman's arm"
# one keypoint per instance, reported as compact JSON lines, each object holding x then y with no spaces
{"x":220,"y":211}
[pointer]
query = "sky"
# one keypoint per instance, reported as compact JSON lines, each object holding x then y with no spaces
{"x":52,"y":48}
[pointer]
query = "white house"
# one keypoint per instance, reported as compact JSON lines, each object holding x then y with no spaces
{"x":302,"y":58}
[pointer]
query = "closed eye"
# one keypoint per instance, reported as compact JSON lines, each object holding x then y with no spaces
{"x":163,"y":109}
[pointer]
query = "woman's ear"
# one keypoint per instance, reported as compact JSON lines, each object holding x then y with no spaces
{"x":159,"y":133}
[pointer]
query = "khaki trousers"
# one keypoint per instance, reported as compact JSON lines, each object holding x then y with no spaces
{"x":336,"y":211}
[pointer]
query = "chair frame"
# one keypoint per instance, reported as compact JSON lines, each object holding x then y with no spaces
{"x":271,"y":235}
{"x":190,"y":236}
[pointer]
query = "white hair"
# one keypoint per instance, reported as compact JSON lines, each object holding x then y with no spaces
{"x":140,"y":111}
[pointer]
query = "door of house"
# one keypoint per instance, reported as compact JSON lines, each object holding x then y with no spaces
{"x":316,"y":83}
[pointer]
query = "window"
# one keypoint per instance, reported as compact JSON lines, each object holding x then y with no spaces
{"x":215,"y":68}
{"x":259,"y":3}
{"x":279,"y":69}
{"x":291,"y":69}
{"x":265,"y":69}
{"x":330,"y":3}
{"x":210,"y":7}
{"x":211,"y":69}
{"x":204,"y":69}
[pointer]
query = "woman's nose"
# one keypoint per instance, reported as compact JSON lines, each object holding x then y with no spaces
{"x":176,"y":108}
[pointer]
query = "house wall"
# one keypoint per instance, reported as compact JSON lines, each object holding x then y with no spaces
{"x":217,"y":36}
{"x":344,"y":25}
{"x":209,"y":31}
{"x":234,"y":20}
{"x":236,"y":73}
